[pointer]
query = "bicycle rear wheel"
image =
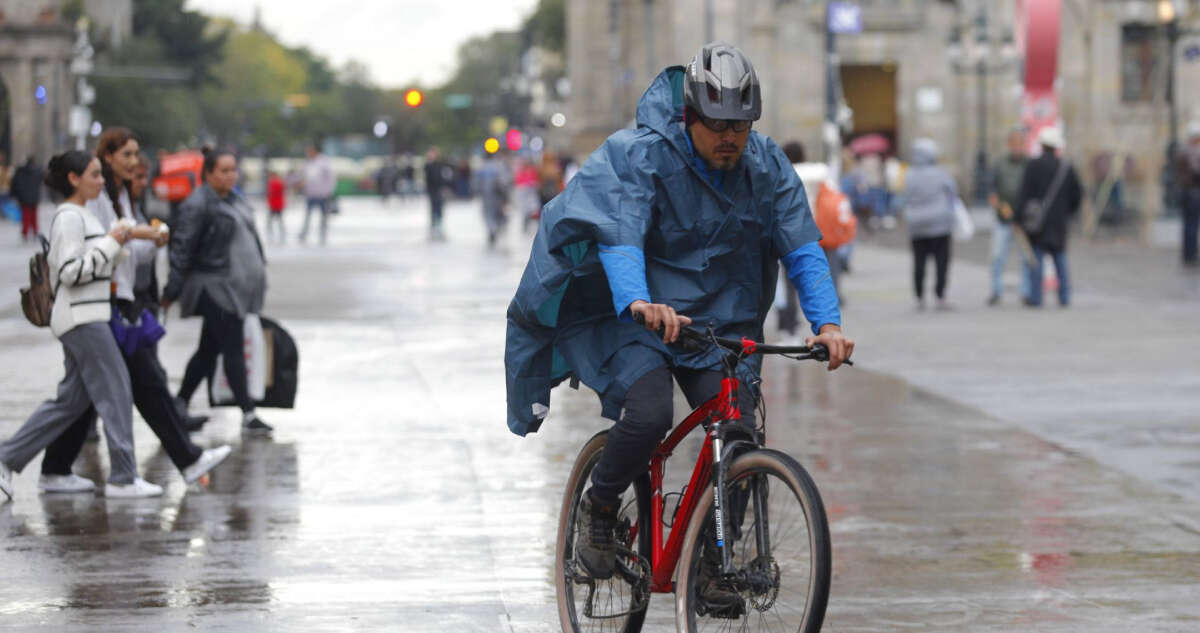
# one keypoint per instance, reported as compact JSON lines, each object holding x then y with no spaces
{"x":779,"y":537}
{"x":618,"y":604}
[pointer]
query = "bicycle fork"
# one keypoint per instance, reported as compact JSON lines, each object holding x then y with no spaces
{"x":719,"y":501}
{"x":722,"y":509}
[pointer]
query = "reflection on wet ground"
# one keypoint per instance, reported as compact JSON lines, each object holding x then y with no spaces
{"x":394,"y":499}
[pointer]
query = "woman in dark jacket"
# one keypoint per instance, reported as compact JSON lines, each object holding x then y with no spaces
{"x":219,"y":273}
{"x":1059,"y":203}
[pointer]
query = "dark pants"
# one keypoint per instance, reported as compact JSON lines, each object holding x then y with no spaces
{"x":29,"y":227}
{"x":647,"y":419}
{"x":221,"y":334}
{"x":1060,"y":269}
{"x":435,"y":210}
{"x":939,"y":248}
{"x":1191,"y":224}
{"x":153,"y":400}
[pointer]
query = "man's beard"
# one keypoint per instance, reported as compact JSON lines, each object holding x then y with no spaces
{"x":724,"y":164}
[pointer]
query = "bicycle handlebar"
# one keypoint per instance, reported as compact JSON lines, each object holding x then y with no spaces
{"x":747,"y":346}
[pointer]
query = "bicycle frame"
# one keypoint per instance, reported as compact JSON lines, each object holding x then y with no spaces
{"x":665,"y":557}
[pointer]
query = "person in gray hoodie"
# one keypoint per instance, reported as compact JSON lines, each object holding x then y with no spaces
{"x":928,"y":203}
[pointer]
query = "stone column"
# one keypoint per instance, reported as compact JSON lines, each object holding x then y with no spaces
{"x":19,"y":82}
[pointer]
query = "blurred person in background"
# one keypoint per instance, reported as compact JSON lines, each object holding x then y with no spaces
{"x":787,"y":304}
{"x":435,"y":187}
{"x":218,"y":272}
{"x":1060,"y":202}
{"x":82,"y":257}
{"x":276,"y":201}
{"x":135,"y":291}
{"x":550,"y":178}
{"x":319,"y":185}
{"x":27,"y":189}
{"x":1188,"y":167}
{"x":491,"y":183}
{"x":408,"y":177}
{"x":929,"y":196}
{"x":385,"y":180}
{"x":1006,"y":186}
{"x":7,"y":206}
{"x":526,"y":197}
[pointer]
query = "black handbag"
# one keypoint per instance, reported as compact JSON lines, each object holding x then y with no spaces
{"x":1033,"y":217}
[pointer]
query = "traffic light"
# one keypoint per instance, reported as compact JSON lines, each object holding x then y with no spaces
{"x":491,"y":146}
{"x":414,"y":98}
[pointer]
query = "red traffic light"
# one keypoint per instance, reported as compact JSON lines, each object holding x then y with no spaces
{"x":414,"y":98}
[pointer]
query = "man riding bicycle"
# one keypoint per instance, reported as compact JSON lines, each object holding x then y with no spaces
{"x":686,"y":215}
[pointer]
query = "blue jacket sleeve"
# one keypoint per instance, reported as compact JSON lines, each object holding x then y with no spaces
{"x":809,"y":271}
{"x":625,"y":267}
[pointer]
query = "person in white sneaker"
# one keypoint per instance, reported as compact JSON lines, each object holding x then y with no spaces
{"x":82,"y":257}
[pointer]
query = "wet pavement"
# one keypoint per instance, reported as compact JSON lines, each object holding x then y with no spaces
{"x":984,"y":470}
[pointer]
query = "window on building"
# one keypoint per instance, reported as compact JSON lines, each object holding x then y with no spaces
{"x":1142,"y":54}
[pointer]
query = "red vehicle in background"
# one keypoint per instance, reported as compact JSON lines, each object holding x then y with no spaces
{"x":179,"y":175}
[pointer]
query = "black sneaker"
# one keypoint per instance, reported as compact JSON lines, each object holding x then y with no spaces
{"x":720,"y":599}
{"x":255,"y":427}
{"x":596,"y":547}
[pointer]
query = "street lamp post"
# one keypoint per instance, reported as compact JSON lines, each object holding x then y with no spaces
{"x":1168,"y":15}
{"x":981,"y":60}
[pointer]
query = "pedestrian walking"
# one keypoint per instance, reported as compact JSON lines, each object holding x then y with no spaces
{"x":436,"y":182}
{"x":525,"y":193}
{"x":8,"y":207}
{"x":1050,"y":196}
{"x":1006,"y":186}
{"x":929,"y":198}
{"x":491,"y":183}
{"x":1188,"y":168}
{"x":817,"y":179}
{"x":218,"y":272}
{"x":134,"y":311}
{"x":319,"y":185}
{"x":27,"y":189}
{"x":82,"y":257}
{"x":276,"y":201}
{"x":550,"y":178}
{"x":385,"y":180}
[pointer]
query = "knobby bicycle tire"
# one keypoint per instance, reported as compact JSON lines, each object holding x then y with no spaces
{"x":639,"y":506}
{"x":765,"y":464}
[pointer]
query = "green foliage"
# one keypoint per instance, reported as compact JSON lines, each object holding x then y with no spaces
{"x":248,"y":89}
{"x":547,"y":27}
{"x":185,"y":35}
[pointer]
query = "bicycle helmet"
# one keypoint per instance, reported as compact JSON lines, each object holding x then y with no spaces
{"x":721,"y":84}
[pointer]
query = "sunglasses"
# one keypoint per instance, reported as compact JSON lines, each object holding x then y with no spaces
{"x":720,"y":125}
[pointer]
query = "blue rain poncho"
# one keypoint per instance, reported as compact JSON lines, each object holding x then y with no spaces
{"x":643,"y":219}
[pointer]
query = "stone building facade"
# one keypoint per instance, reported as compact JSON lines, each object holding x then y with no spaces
{"x":914,"y":71}
{"x":36,"y":48}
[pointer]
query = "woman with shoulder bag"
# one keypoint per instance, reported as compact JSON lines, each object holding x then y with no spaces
{"x":134,"y":323}
{"x":83,"y":257}
{"x":218,"y":272}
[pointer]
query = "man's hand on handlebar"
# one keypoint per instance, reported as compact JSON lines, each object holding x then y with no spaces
{"x":840,"y":348}
{"x":660,"y":315}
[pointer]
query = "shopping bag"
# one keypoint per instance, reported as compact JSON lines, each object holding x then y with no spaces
{"x":255,"y":349}
{"x":283,"y":364}
{"x":964,"y":227}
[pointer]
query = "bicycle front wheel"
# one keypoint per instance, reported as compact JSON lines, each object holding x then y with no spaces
{"x":779,"y":539}
{"x":617,"y":604}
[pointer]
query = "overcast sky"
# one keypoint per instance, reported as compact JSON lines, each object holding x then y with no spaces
{"x":399,"y":40}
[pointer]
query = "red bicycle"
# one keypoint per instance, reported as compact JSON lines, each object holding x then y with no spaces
{"x":749,"y":516}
